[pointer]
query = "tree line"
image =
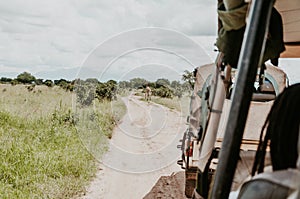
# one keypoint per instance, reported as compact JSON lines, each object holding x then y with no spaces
{"x":161,"y":87}
{"x":90,"y":89}
{"x":27,"y":78}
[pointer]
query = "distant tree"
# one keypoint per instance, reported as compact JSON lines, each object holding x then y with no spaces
{"x":5,"y":80}
{"x":38,"y":81}
{"x":175,"y":84}
{"x":124,"y":84}
{"x":178,"y":88}
{"x":64,"y":84}
{"x":106,"y":91}
{"x":112,"y":82}
{"x":186,"y":86}
{"x":49,"y":83}
{"x":138,"y":82}
{"x":163,"y":82}
{"x":25,"y":78}
{"x":60,"y":82}
{"x":92,"y":81}
{"x":163,"y":92}
{"x":189,"y":77}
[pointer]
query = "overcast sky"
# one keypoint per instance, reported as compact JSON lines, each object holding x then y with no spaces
{"x":51,"y":38}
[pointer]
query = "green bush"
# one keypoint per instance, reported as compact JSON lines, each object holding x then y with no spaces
{"x":106,"y":91}
{"x":163,"y":92}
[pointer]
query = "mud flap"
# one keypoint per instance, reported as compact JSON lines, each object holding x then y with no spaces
{"x":205,"y":177}
{"x":190,"y":181}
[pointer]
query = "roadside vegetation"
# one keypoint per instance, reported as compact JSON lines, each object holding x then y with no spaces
{"x":50,"y":141}
{"x":52,"y":132}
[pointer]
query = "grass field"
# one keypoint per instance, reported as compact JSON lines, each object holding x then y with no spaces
{"x":48,"y":145}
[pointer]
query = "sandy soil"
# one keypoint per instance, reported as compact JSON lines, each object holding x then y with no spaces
{"x":142,"y":149}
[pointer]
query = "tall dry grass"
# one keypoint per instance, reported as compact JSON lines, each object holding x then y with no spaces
{"x":48,"y":145}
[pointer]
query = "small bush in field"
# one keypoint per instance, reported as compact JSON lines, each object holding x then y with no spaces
{"x":49,"y":83}
{"x":30,"y":87}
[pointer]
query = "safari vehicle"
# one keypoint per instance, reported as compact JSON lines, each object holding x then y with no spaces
{"x":221,"y":141}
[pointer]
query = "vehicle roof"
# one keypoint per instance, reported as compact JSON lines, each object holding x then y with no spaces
{"x":290,"y":13}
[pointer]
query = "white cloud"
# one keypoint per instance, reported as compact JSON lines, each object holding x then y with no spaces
{"x":45,"y":35}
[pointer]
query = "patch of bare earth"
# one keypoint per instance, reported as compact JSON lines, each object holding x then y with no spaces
{"x":168,"y":187}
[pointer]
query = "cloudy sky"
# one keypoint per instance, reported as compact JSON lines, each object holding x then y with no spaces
{"x":53,"y":38}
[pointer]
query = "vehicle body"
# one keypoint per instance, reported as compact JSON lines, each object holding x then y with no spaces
{"x":260,"y":106}
{"x":232,"y":128}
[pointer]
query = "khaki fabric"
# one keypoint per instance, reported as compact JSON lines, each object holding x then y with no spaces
{"x":232,"y":24}
{"x":233,"y":19}
{"x":232,"y":4}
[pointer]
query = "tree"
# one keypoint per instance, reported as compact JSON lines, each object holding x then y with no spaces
{"x":106,"y":91}
{"x":138,"y":82}
{"x":48,"y":83}
{"x":186,"y":86}
{"x":61,"y":82}
{"x":124,"y":84}
{"x":38,"y":81}
{"x":163,"y":82}
{"x":163,"y":92}
{"x":25,"y":78}
{"x":64,"y":84}
{"x":92,"y":81}
{"x":175,"y":84}
{"x":5,"y":80}
{"x":189,"y":77}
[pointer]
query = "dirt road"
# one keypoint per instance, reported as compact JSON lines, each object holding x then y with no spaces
{"x":142,"y":149}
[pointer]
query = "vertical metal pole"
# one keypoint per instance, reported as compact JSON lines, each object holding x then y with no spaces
{"x":250,"y":58}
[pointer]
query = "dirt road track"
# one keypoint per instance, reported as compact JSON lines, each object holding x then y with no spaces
{"x":142,"y":149}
